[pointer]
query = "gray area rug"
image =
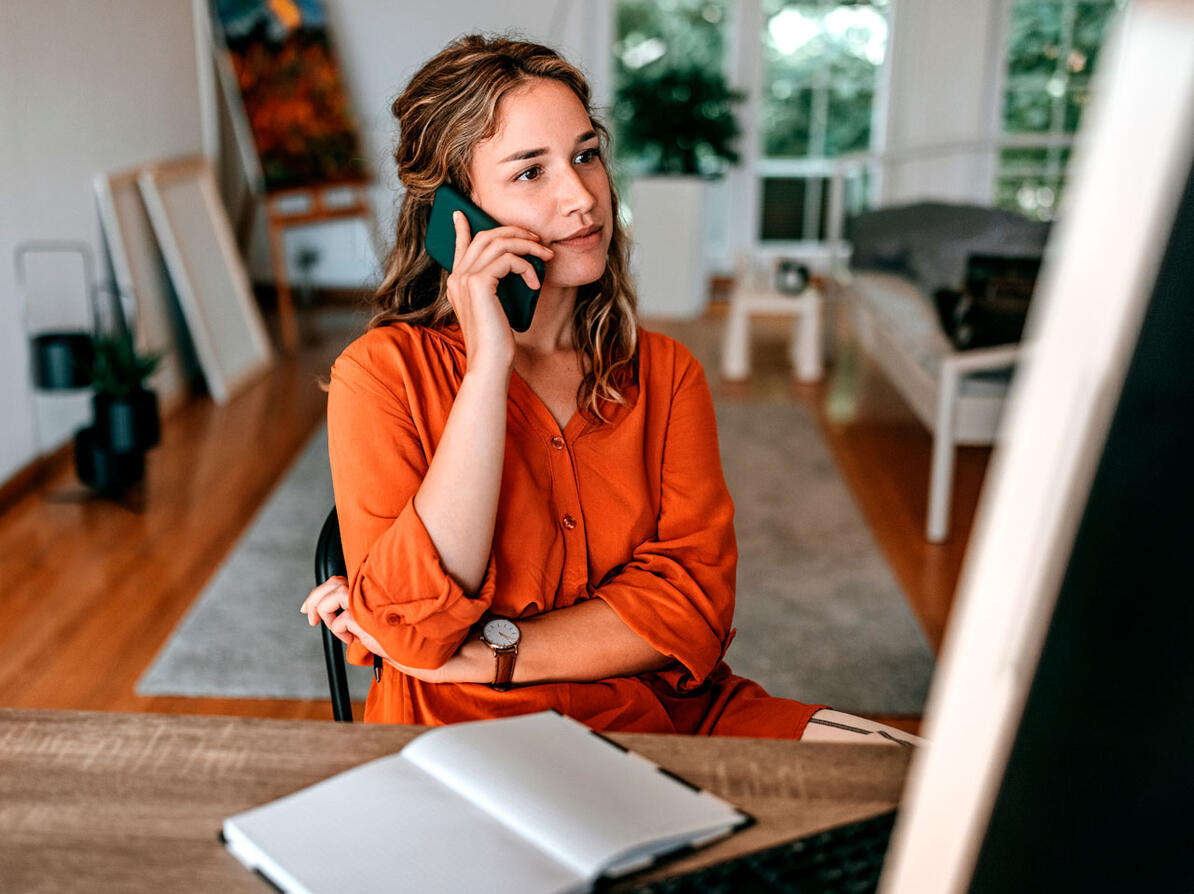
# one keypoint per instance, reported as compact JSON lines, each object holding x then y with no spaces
{"x":244,"y":636}
{"x":819,"y":616}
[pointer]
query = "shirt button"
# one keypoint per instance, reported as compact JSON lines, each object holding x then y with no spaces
{"x":569,"y":522}
{"x":393,"y":618}
{"x":557,"y":443}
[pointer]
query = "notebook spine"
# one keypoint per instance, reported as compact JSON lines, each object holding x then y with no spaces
{"x":747,"y":819}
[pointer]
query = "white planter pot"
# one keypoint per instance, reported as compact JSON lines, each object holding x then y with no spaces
{"x":668,"y":257}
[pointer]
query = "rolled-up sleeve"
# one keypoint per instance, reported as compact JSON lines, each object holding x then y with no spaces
{"x":400,"y":591}
{"x":677,"y":591}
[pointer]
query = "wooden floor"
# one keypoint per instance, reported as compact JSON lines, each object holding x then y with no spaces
{"x":93,"y":588}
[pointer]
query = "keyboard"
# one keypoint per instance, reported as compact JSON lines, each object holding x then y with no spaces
{"x":842,"y":860}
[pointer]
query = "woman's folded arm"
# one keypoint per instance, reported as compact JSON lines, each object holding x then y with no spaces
{"x":418,"y":552}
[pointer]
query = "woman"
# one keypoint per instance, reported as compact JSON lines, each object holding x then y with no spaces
{"x":530,"y":520}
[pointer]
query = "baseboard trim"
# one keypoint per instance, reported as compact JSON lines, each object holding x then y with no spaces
{"x":34,"y":474}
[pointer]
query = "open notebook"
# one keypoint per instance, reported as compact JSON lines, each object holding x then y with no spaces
{"x":537,"y":803}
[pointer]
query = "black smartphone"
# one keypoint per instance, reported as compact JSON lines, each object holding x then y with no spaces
{"x":518,"y":299}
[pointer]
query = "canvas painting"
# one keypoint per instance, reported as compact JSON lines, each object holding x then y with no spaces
{"x":292,"y":92}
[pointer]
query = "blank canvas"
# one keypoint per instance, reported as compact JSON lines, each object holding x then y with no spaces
{"x":137,"y":265}
{"x":208,"y":275}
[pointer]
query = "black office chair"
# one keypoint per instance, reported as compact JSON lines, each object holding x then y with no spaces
{"x":329,"y":560}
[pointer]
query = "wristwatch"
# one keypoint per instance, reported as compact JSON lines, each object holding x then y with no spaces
{"x":502,"y":636}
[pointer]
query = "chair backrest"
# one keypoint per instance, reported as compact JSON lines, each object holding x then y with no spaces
{"x":329,"y":561}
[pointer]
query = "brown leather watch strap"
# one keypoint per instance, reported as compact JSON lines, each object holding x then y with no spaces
{"x":503,"y":667}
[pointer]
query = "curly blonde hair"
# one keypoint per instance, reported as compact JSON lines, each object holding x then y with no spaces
{"x":449,"y":106}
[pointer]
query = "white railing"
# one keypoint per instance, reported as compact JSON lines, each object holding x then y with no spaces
{"x":841,"y":169}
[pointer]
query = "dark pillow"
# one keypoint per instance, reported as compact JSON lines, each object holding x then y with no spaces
{"x":992,"y":307}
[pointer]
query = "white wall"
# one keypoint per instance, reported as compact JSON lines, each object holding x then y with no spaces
{"x":85,"y":86}
{"x":946,"y":59}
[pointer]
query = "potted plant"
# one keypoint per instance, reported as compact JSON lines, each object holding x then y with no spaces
{"x":679,"y":123}
{"x":679,"y":120}
{"x":126,"y":412}
{"x":110,"y":453}
{"x":109,"y":473}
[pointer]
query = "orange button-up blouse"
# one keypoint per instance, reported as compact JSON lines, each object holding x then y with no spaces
{"x":634,"y":511}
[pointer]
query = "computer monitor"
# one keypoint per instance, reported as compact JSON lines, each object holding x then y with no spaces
{"x":1061,"y":719}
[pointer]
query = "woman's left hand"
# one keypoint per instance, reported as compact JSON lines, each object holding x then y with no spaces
{"x":329,"y":603}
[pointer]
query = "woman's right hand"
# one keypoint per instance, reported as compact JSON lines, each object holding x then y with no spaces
{"x":479,"y":264}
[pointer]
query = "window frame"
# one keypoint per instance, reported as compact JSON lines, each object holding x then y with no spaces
{"x":818,"y":171}
{"x":1056,"y":141}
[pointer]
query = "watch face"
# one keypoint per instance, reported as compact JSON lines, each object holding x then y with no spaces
{"x":501,"y":633}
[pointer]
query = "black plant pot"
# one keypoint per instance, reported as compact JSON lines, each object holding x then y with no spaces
{"x":127,"y":424}
{"x":62,"y":360}
{"x":105,"y":470}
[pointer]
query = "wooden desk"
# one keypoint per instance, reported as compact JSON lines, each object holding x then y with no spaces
{"x":112,"y":802}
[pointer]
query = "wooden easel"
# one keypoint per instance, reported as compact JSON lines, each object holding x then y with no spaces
{"x":299,"y":206}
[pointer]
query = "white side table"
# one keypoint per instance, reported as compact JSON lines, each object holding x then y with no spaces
{"x":804,"y":346}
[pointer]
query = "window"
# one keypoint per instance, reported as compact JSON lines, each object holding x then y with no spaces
{"x":1052,"y":51}
{"x":819,"y":67}
{"x":821,"y":63}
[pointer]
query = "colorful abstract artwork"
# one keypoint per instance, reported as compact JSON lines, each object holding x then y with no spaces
{"x":292,"y":92}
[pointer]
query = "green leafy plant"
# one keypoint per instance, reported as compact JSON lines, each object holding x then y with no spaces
{"x":118,"y":369}
{"x":680,"y":120}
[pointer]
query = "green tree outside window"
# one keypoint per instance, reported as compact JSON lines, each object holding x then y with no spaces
{"x":657,"y":36}
{"x":820,"y":62}
{"x":1053,"y":47}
